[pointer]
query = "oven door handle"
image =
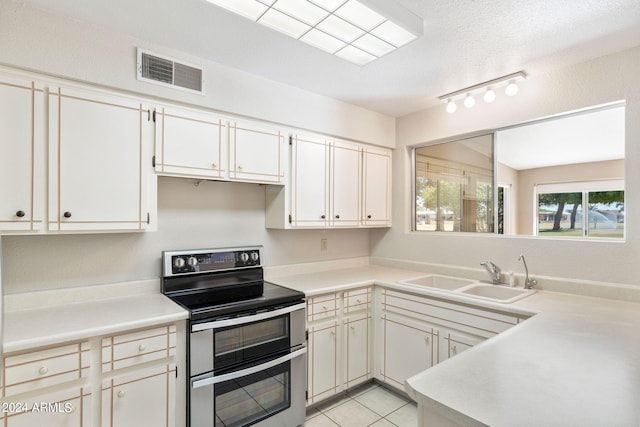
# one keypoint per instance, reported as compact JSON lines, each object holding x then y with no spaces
{"x":246,"y":319}
{"x":244,"y":372}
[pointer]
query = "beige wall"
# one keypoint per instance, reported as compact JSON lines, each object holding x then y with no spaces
{"x":604,"y":80}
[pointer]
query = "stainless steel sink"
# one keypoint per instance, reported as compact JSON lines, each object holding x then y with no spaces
{"x":497,"y":293}
{"x":440,"y":282}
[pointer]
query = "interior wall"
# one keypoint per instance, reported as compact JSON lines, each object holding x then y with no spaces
{"x":528,"y":179}
{"x":212,"y":214}
{"x":604,"y":80}
{"x":41,"y":41}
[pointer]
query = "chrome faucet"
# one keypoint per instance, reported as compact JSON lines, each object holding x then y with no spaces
{"x":528,"y":283}
{"x":493,"y":270}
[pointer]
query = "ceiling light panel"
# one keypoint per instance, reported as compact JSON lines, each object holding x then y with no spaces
{"x":340,"y":28}
{"x":302,"y":10}
{"x":360,"y":15}
{"x":323,"y":41}
{"x":373,"y":45}
{"x":393,"y":33}
{"x":347,"y":28}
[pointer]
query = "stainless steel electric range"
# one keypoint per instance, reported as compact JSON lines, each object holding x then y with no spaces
{"x":246,"y":346}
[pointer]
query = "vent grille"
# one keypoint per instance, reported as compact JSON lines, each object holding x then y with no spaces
{"x":165,"y":71}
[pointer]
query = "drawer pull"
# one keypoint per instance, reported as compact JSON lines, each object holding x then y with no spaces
{"x":142,"y":347}
{"x":121,"y":393}
{"x":43,"y":370}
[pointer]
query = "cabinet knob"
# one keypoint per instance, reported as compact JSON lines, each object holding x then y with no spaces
{"x":67,"y":214}
{"x":20,"y":214}
{"x":454,"y":349}
{"x":325,"y":308}
{"x":239,"y":167}
{"x":368,"y":216}
{"x":358,"y":301}
{"x":337,"y":216}
{"x":322,"y":216}
{"x":121,"y":393}
{"x":333,"y":333}
{"x":213,"y":165}
{"x":142,"y":347}
{"x":353,"y":328}
{"x":426,"y":339}
{"x":43,"y":370}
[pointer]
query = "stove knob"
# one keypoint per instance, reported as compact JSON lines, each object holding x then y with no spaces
{"x":244,"y":257}
{"x":192,"y":261}
{"x":178,"y":262}
{"x":254,"y":256}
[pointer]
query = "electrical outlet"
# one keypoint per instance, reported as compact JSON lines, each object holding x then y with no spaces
{"x":323,"y":245}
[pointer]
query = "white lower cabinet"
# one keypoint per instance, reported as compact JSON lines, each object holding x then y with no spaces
{"x":66,"y":408}
{"x":132,"y":375}
{"x":323,"y":358}
{"x":416,"y":332}
{"x":339,"y":342}
{"x":145,"y":397}
{"x":357,"y":331}
{"x":408,"y":347}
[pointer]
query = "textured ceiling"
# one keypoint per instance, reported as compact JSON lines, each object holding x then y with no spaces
{"x":464,"y":43}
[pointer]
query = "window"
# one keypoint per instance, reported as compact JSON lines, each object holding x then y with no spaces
{"x":455,"y":195}
{"x":561,"y":210}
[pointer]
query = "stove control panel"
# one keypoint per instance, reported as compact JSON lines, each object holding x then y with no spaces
{"x":196,"y":261}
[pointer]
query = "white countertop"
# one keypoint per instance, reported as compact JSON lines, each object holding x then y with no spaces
{"x":62,"y":321}
{"x":574,"y":363}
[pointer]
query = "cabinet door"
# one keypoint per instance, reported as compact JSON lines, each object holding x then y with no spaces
{"x":256,"y":153}
{"x":96,"y":179}
{"x":345,"y":184}
{"x":455,"y":343}
{"x":21,"y":152}
{"x":189,"y":143}
{"x":409,"y":348}
{"x":143,"y":398}
{"x":377,"y":188}
{"x":309,"y":181}
{"x":323,"y":372}
{"x":358,"y":349}
{"x":67,"y":408}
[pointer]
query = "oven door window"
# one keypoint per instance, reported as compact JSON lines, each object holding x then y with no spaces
{"x":247,"y":400}
{"x":240,"y":344}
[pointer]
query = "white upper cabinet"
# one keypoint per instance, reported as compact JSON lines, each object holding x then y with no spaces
{"x":190,"y":143}
{"x":309,"y":181}
{"x":256,"y":153}
{"x":21,"y":154}
{"x":98,"y":157}
{"x":377,"y":188}
{"x":346,"y":166}
{"x":332,"y":184}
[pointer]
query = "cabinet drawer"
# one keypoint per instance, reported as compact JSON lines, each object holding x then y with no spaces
{"x":125,"y":350}
{"x":357,"y":299}
{"x":477,"y":321}
{"x":38,"y":369}
{"x":322,"y":307}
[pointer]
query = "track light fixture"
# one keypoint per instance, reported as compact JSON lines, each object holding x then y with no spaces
{"x":511,"y":89}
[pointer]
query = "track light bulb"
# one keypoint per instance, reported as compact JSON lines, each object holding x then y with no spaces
{"x":451,"y":106}
{"x":469,"y":101}
{"x":489,"y":95}
{"x":512,"y":88}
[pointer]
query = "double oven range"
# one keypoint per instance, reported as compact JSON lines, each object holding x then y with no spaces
{"x":246,"y":347}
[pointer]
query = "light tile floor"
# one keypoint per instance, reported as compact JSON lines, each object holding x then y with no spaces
{"x":368,"y":405}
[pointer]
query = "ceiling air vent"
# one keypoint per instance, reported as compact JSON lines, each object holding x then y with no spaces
{"x":165,"y":71}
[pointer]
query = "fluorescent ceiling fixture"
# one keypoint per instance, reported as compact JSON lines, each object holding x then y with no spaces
{"x":359,"y":31}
